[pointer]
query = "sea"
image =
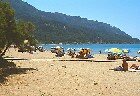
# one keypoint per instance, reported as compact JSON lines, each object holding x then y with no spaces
{"x":95,"y":48}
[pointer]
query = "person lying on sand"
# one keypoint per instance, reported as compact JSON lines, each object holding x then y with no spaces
{"x":136,"y":67}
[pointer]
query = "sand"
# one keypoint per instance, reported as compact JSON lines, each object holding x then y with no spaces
{"x":68,"y":78}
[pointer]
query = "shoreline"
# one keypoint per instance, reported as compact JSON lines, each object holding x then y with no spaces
{"x":134,"y":48}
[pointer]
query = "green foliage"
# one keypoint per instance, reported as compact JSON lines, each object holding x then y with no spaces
{"x":57,"y":27}
{"x":11,"y":31}
{"x":25,"y":30}
{"x":7,"y":25}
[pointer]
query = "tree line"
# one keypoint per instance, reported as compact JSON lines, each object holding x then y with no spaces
{"x":58,"y":27}
{"x":13,"y":31}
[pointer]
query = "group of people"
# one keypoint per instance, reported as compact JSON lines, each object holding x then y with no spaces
{"x":71,"y":52}
{"x":114,"y":56}
{"x":84,"y":53}
{"x":125,"y":66}
{"x":30,"y":49}
{"x":58,"y":50}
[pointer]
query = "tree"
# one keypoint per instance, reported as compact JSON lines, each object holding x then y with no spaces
{"x":26,"y":31}
{"x":7,"y":27}
{"x":12,"y":31}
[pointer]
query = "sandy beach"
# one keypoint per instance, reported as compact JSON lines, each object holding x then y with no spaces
{"x":43,"y":76}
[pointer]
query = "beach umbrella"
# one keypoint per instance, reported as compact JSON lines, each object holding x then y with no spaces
{"x":115,"y":50}
{"x":125,"y":51}
{"x":58,"y":47}
{"x":106,"y":50}
{"x":68,"y":49}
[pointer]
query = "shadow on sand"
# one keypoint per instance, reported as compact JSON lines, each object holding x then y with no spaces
{"x":9,"y":68}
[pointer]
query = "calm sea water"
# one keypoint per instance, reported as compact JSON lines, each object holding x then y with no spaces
{"x":97,"y":47}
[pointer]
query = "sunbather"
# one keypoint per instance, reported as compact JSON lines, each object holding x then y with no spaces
{"x":59,"y":53}
{"x":84,"y":54}
{"x":124,"y":66}
{"x":134,"y":66}
{"x":111,"y":57}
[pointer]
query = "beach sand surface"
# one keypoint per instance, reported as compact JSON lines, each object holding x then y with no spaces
{"x":68,"y":78}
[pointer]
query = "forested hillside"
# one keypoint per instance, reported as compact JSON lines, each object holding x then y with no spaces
{"x":58,"y":27}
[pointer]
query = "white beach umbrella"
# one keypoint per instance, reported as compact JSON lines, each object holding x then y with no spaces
{"x":106,"y":50}
{"x":58,"y":47}
{"x":114,"y":50}
{"x":125,"y":51}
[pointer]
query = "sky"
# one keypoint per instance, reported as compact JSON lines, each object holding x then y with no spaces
{"x":124,"y":14}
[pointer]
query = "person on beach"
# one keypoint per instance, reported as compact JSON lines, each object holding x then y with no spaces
{"x":134,"y":66}
{"x":84,"y":54}
{"x":125,"y":65}
{"x":111,"y":56}
{"x":100,"y":52}
{"x":59,"y":52}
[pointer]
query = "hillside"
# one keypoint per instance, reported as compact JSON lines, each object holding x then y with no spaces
{"x":58,"y":27}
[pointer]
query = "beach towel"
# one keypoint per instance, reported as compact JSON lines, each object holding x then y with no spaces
{"x":133,"y":70}
{"x":118,"y":68}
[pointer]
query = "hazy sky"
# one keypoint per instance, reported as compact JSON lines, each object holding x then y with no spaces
{"x":124,"y":14}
